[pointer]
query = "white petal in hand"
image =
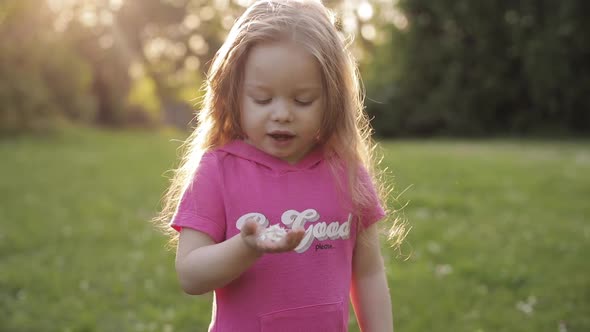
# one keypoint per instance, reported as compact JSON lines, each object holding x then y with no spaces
{"x":272,"y":239}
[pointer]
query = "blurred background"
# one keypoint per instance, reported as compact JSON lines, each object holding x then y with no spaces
{"x":430,"y":68}
{"x":481,"y":110}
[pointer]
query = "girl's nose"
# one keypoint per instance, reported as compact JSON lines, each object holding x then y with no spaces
{"x":281,"y":112}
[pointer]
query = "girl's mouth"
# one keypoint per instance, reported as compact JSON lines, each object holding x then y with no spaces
{"x":281,"y":136}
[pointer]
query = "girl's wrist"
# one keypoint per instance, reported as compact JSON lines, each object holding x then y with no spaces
{"x":251,"y":248}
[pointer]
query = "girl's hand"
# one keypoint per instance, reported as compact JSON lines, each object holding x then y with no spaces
{"x":251,"y":235}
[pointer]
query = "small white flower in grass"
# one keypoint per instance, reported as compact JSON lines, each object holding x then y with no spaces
{"x":84,"y":285}
{"x":152,"y":326}
{"x":149,"y":284}
{"x":472,"y":315}
{"x":434,"y":247}
{"x":139,"y":326}
{"x":454,"y":231}
{"x":60,"y":262}
{"x":582,"y":158}
{"x":169,"y":314}
{"x":66,"y":231}
{"x":527,"y":306}
{"x":443,"y":270}
{"x":136,"y":255}
{"x":21,"y":295}
{"x":482,"y":289}
{"x":423,"y":213}
{"x":124,"y":277}
{"x":562,"y":327}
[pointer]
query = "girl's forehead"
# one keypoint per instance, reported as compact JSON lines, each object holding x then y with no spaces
{"x":285,"y":50}
{"x":282,"y":63}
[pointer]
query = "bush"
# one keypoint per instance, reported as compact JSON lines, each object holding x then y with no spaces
{"x":481,"y":68}
{"x":42,"y":81}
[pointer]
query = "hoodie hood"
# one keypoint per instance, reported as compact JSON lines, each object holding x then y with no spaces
{"x":246,"y":151}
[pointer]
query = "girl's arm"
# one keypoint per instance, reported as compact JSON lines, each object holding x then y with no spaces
{"x":370,"y":292}
{"x":202,"y":265}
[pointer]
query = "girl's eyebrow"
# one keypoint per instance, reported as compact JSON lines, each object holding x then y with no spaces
{"x":304,"y":88}
{"x":309,"y":88}
{"x":256,"y":86}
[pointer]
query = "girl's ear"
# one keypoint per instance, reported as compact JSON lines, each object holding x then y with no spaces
{"x":240,"y":133}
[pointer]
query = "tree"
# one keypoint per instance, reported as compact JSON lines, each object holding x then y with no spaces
{"x":486,"y":67}
{"x":42,"y":82}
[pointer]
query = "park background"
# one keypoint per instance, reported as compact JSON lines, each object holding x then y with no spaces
{"x":482,"y":114}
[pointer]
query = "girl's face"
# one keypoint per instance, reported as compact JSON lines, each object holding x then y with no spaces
{"x":281,"y":100}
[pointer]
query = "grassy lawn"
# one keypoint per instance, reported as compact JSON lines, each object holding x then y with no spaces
{"x":500,"y":230}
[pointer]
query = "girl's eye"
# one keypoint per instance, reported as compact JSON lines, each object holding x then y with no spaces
{"x":262,"y":101}
{"x":303,"y":103}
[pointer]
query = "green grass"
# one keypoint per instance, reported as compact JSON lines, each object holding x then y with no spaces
{"x":499,"y":238}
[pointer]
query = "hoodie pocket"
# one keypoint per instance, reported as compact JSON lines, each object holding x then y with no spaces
{"x":315,"y":318}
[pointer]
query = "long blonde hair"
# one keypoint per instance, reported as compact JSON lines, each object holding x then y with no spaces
{"x":345,"y":131}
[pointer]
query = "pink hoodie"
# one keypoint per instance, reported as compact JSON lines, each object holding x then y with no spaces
{"x":304,"y":290}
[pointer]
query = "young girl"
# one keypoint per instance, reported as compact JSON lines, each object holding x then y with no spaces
{"x":281,"y":141}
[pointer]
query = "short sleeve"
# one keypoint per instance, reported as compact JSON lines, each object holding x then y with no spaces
{"x":372,"y":211}
{"x":202,"y":206}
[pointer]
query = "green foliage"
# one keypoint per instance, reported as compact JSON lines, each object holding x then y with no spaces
{"x":42,"y":80}
{"x":38,"y":89}
{"x":498,"y":241}
{"x":143,"y":96}
{"x":458,"y":68}
{"x":26,"y":100}
{"x":485,"y":67}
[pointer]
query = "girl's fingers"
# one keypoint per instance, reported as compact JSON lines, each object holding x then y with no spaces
{"x":250,"y":228}
{"x":294,"y":237}
{"x":272,"y":247}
